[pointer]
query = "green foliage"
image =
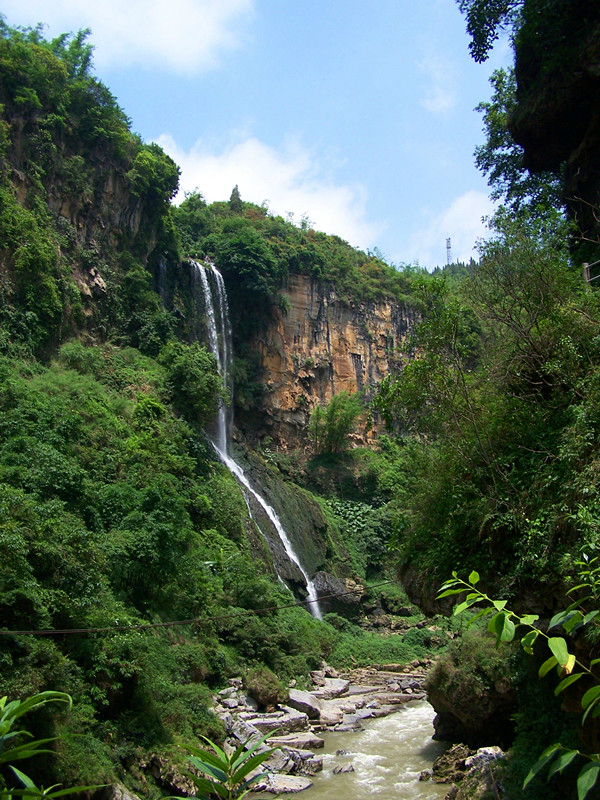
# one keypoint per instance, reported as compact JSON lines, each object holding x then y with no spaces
{"x":192,"y":380}
{"x":264,"y":686}
{"x":361,"y":649}
{"x":485,"y":21}
{"x":504,"y":623}
{"x":366,"y":532}
{"x":58,"y":226}
{"x":17,"y":745}
{"x":502,"y":159}
{"x":331,"y":426}
{"x":227,"y":774}
{"x":495,"y":404}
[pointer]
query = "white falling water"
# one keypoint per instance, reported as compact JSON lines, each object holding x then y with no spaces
{"x":220,"y":346}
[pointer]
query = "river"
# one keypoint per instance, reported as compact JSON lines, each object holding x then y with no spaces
{"x":387,"y":757}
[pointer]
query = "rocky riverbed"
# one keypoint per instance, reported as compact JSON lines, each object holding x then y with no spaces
{"x":334,"y":702}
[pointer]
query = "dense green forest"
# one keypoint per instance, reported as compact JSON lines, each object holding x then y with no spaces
{"x":117,"y":516}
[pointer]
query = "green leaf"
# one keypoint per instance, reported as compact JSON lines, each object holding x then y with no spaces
{"x":589,"y":696}
{"x":210,"y":758}
{"x":251,"y":764}
{"x":574,"y":620}
{"x":219,"y":753}
{"x":558,"y":648}
{"x":592,"y":706}
{"x":579,"y":586}
{"x":547,"y":666}
{"x":528,"y":619}
{"x":448,"y":592}
{"x":528,"y":641}
{"x":474,"y":577}
{"x":241,"y":758}
{"x":209,"y":769}
{"x":590,"y":616}
{"x":567,"y":682}
{"x":586,"y":779}
{"x":502,"y":627}
{"x":464,"y":605}
{"x":562,"y":762}
{"x":544,"y":759}
{"x":499,"y":605}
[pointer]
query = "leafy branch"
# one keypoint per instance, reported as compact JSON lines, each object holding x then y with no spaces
{"x":505,"y":623}
{"x":227,"y":775}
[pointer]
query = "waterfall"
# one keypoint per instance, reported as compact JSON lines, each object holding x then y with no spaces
{"x":219,"y":341}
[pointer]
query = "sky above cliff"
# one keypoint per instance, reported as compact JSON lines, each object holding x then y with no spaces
{"x":360,"y":116}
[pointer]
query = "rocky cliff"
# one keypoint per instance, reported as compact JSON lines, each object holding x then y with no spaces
{"x":324,"y":345}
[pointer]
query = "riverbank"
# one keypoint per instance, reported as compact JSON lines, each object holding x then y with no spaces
{"x":336,"y":702}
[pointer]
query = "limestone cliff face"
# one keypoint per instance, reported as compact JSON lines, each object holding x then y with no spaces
{"x":323,"y":346}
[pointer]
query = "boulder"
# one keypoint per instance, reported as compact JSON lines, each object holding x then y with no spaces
{"x":299,"y":741}
{"x":342,"y":768}
{"x":338,"y":596}
{"x":117,"y":791}
{"x":288,"y":719}
{"x":331,"y":714}
{"x":450,"y":767}
{"x":282,"y":784}
{"x":331,"y":687}
{"x":305,"y":702}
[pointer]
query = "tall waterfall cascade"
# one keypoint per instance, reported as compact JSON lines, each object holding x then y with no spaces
{"x":219,"y":342}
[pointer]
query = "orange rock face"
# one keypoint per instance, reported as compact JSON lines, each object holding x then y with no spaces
{"x":321,"y":347}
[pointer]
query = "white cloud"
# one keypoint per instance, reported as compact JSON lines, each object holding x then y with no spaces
{"x":289,"y":180}
{"x":461,"y":222}
{"x":440,"y":94}
{"x":185,"y":36}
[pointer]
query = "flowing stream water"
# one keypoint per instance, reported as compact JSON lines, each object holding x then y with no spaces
{"x":219,"y":341}
{"x":387,"y":757}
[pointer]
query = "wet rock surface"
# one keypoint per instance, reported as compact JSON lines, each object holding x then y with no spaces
{"x":472,"y":775}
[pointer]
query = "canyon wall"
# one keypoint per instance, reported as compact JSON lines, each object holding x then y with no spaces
{"x":320,"y":347}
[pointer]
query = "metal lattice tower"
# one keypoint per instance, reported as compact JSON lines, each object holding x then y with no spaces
{"x":448,"y":251}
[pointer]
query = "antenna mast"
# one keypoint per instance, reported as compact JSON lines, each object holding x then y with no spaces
{"x":448,"y":251}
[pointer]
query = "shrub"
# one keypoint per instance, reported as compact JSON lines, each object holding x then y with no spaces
{"x":264,"y":686}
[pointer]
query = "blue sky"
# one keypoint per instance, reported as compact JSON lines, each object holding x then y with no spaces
{"x":359,"y":115}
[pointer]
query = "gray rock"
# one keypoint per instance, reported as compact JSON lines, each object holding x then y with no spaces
{"x":250,"y":702}
{"x":288,"y":719}
{"x":331,"y":714}
{"x":350,"y":722}
{"x":341,"y":768}
{"x":305,"y":762}
{"x":117,"y":791}
{"x":306,"y":702}
{"x":299,"y":741}
{"x":230,"y":702}
{"x":279,"y":761}
{"x":332,"y":687}
{"x":243,"y":731}
{"x":282,"y":784}
{"x":228,"y":692}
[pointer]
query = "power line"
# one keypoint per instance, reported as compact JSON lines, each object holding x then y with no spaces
{"x":193,"y":621}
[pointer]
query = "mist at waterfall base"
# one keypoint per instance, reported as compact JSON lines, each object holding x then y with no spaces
{"x":219,"y":341}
